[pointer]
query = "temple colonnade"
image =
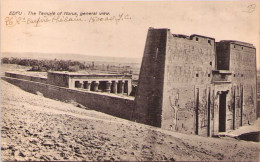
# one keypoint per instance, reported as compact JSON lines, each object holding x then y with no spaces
{"x":111,"y":86}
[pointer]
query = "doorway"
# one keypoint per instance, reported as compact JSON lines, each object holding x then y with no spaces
{"x":222,"y":111}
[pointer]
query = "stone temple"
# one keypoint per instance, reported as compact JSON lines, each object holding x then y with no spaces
{"x":188,"y":84}
{"x":110,"y":83}
{"x":194,"y":85}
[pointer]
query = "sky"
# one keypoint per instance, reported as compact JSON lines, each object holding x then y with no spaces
{"x":222,"y":20}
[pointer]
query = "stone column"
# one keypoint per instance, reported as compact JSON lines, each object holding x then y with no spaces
{"x":114,"y":87}
{"x":80,"y":84}
{"x":120,"y":87}
{"x":99,"y":87}
{"x":86,"y":85}
{"x":126,"y":87}
{"x":123,"y":87}
{"x":108,"y":87}
{"x":95,"y":86}
{"x":92,"y":86}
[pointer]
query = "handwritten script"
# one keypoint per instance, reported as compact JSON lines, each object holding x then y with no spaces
{"x":36,"y":19}
{"x":250,"y":8}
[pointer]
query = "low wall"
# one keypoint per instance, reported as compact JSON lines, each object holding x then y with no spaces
{"x":113,"y":105}
{"x":26,"y":77}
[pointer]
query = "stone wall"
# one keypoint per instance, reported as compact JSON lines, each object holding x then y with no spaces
{"x":258,"y":108}
{"x":148,"y":99}
{"x":186,"y":83}
{"x":243,"y":68}
{"x":114,"y":105}
{"x":26,"y":77}
{"x":223,"y":55}
{"x":58,"y":79}
{"x":176,"y":75}
{"x":242,"y":65}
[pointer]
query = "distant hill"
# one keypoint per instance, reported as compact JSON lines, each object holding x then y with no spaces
{"x":77,"y":57}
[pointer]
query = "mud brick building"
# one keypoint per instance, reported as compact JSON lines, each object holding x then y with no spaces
{"x":194,"y":85}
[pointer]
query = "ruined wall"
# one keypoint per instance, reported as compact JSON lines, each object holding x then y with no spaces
{"x":114,"y":105}
{"x":187,"y":91}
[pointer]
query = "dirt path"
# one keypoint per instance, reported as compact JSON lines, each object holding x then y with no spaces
{"x":37,"y":128}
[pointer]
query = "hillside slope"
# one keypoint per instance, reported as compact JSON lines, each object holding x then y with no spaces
{"x":37,"y":128}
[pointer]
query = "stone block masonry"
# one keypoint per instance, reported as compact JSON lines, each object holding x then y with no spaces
{"x":193,"y":85}
{"x":26,"y":77}
{"x":114,"y":105}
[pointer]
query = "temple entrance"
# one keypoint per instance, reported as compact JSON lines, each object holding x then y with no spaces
{"x":222,"y":111}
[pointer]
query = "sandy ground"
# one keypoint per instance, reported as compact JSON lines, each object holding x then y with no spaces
{"x":37,"y":128}
{"x":255,"y":127}
{"x":14,"y":68}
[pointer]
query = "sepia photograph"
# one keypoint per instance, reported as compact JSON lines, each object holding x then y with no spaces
{"x":130,"y":80}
